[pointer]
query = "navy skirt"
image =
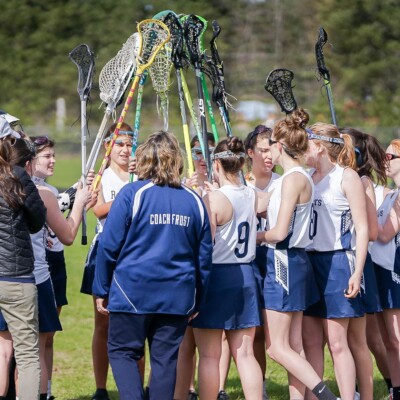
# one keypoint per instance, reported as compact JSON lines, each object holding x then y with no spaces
{"x":90,"y":265}
{"x":58,"y":274}
{"x":289,"y":284}
{"x":332,"y":270}
{"x":232,"y":299}
{"x":388,"y":286}
{"x":370,"y":293}
{"x":260,"y":266}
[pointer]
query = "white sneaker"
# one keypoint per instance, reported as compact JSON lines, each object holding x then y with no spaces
{"x":357,"y":396}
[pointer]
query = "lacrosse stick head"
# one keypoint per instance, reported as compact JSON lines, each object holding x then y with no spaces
{"x":213,"y":47}
{"x":321,"y":41}
{"x":279,"y":85}
{"x":193,"y":31}
{"x":117,"y":73}
{"x":154,"y":34}
{"x":83,"y":58}
{"x":176,"y":30}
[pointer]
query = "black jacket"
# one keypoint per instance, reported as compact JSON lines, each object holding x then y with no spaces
{"x":16,"y":254}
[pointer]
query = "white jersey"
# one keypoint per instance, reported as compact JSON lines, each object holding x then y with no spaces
{"x":379,"y":195}
{"x":111,"y":184}
{"x":298,"y":234}
{"x":332,"y":225}
{"x":41,"y":269}
{"x":235,"y":242}
{"x":55,"y":245}
{"x":263,"y":222}
{"x":384,"y":254}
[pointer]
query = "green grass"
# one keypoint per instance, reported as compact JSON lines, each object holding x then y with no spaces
{"x":73,"y":376}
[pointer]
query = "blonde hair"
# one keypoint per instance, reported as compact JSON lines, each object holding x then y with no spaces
{"x":160,"y":159}
{"x":395,"y":143}
{"x":342,"y":154}
{"x":291,"y":131}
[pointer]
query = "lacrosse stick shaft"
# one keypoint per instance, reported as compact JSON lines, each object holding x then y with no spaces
{"x":106,"y":158}
{"x":209,"y":108}
{"x":330,"y":100}
{"x":203,"y":121}
{"x":137,"y":118}
{"x":83,"y":156}
{"x":184,"y":123}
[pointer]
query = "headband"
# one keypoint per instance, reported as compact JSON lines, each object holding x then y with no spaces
{"x":312,"y":135}
{"x":226,"y":154}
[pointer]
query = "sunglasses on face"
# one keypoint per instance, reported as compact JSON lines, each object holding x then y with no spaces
{"x":391,"y":156}
{"x":271,"y":142}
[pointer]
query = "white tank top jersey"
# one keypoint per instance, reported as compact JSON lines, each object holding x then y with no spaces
{"x":235,"y":242}
{"x":56,"y":245}
{"x":298,"y":234}
{"x":263,"y":222}
{"x":41,"y":268}
{"x":384,"y":254}
{"x":379,"y":195}
{"x":111,"y":184}
{"x":332,"y":224}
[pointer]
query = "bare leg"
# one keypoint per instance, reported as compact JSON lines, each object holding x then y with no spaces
{"x":296,"y":388}
{"x":345,"y":370}
{"x":376,"y":345}
{"x":6,"y":351}
{"x":184,"y":369}
{"x":259,"y":350}
{"x":357,"y":339}
{"x":241,"y":346}
{"x":209,"y":344}
{"x":224,"y":363}
{"x":43,"y":338}
{"x":278,"y":348}
{"x":314,"y":343}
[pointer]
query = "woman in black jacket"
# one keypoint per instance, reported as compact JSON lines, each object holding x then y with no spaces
{"x":22,"y":212}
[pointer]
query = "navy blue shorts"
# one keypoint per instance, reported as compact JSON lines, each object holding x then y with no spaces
{"x":232,"y":300}
{"x":90,"y":265}
{"x":332,"y":270}
{"x":289,"y":285}
{"x":389,"y":287}
{"x":58,"y":274}
{"x":370,"y":293}
{"x":48,"y":316}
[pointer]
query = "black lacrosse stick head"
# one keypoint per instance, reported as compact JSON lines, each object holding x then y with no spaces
{"x":176,"y":30}
{"x":83,"y":58}
{"x":319,"y":54}
{"x":193,"y":30}
{"x":279,"y":85}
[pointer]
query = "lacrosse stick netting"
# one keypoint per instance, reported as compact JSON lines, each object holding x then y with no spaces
{"x":113,"y":81}
{"x":83,"y":58}
{"x":279,"y":85}
{"x":154,"y":34}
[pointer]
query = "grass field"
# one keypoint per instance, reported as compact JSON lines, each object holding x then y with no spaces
{"x":73,"y":376}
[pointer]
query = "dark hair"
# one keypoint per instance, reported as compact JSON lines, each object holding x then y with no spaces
{"x":234,"y":164}
{"x":10,"y":186}
{"x":260,"y":131}
{"x":370,"y":157}
{"x":210,"y":138}
{"x":42,"y":142}
{"x":292,"y":132}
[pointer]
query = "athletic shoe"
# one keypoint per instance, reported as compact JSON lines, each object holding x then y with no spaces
{"x":265,"y":394}
{"x":357,"y":396}
{"x":222,"y":395}
{"x":101,"y":394}
{"x":51,"y":398}
{"x":192,"y":395}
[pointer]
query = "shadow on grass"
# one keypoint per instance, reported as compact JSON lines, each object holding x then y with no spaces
{"x":112,"y":394}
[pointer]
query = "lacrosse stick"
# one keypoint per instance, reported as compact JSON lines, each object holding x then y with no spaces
{"x":154,"y":34}
{"x":137,"y":119}
{"x":279,"y":85}
{"x":113,"y":81}
{"x":323,"y":71}
{"x":83,"y":58}
{"x":193,"y":31}
{"x":177,"y":57}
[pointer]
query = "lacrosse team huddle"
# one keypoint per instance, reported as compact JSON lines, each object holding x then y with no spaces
{"x":278,"y":243}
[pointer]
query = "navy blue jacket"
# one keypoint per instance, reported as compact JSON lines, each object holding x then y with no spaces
{"x":155,"y":252}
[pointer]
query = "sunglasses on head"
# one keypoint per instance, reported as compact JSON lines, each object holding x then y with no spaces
{"x":391,"y":156}
{"x":41,"y":140}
